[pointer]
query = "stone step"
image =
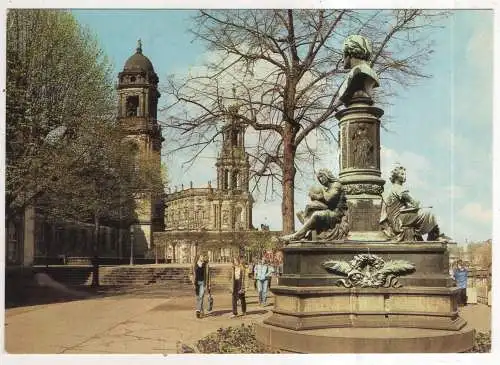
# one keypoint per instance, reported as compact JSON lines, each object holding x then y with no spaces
{"x":126,"y":276}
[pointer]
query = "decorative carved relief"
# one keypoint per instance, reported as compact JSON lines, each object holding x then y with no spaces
{"x":362,"y":147}
{"x":356,"y":189}
{"x":369,"y":271}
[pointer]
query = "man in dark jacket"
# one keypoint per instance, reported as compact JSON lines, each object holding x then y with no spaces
{"x":201,"y":282}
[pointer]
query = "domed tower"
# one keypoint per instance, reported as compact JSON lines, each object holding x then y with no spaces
{"x":137,"y":112}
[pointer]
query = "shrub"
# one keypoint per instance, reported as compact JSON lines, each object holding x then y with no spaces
{"x":229,"y":340}
{"x":482,"y":342}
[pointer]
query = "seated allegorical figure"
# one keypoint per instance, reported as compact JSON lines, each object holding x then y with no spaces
{"x":402,"y":218}
{"x":325,"y":213}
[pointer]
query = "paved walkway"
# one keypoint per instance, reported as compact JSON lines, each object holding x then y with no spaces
{"x":132,"y":323}
{"x":137,"y":323}
{"x":478,"y":316}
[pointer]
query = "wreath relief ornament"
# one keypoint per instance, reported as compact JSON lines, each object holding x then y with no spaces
{"x":369,"y":271}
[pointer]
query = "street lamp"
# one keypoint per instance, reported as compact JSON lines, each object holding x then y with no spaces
{"x":132,"y":244}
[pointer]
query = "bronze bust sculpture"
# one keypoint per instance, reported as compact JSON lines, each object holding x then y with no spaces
{"x":361,"y":79}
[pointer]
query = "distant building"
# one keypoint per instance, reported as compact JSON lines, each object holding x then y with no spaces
{"x":475,"y":255}
{"x":226,"y":207}
{"x":202,"y":211}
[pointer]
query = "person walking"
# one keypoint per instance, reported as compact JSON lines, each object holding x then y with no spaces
{"x":238,"y":285}
{"x":274,"y":274}
{"x":461,"y":274}
{"x":201,"y":282}
{"x":252,"y":270}
{"x":262,"y":274}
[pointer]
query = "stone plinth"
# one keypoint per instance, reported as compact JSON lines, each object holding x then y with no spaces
{"x":302,"y":261}
{"x":303,"y":308}
{"x":309,"y":298}
{"x":365,"y":340}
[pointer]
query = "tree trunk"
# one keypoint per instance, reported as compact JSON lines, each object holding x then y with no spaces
{"x":95,"y":253}
{"x":288,"y":183}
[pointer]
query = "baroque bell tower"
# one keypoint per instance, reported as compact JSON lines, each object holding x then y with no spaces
{"x":137,"y":113}
{"x":233,"y":169}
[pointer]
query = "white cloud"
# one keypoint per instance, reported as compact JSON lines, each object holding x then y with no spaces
{"x":473,"y":87}
{"x":470,"y":157}
{"x":476,"y":212}
{"x":480,"y":47}
{"x":417,"y":166}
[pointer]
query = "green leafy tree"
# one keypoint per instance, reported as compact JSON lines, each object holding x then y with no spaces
{"x":58,"y":81}
{"x":262,"y":241}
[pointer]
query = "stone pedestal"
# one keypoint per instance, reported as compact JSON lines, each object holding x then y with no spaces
{"x":365,"y":340}
{"x":309,"y":298}
{"x":359,"y":135}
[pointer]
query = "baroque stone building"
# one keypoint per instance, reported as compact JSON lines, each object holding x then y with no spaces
{"x":137,"y":112}
{"x":193,"y":215}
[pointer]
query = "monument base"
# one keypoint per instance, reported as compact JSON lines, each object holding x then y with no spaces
{"x":317,"y":310}
{"x":365,"y":340}
{"x":305,"y":308}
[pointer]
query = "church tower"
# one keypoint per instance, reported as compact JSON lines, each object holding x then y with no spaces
{"x":137,"y":112}
{"x":233,"y":170}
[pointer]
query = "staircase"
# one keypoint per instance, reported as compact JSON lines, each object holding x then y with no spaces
{"x":169,"y":276}
{"x":147,"y":280}
{"x":166,"y":277}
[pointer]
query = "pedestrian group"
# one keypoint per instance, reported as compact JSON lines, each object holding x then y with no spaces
{"x":261,"y":273}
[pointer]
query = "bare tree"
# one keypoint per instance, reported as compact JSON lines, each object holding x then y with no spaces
{"x":279,"y":72}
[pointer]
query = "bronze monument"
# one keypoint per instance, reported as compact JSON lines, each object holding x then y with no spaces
{"x":358,"y":276}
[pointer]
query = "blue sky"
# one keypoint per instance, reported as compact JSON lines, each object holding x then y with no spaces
{"x":441,"y":130}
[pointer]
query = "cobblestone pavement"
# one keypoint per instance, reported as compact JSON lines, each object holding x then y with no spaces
{"x":143,"y":321}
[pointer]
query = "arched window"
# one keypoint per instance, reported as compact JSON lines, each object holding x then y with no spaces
{"x":225,"y":184}
{"x":235,"y":184}
{"x":234,"y":138}
{"x":132,"y":105}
